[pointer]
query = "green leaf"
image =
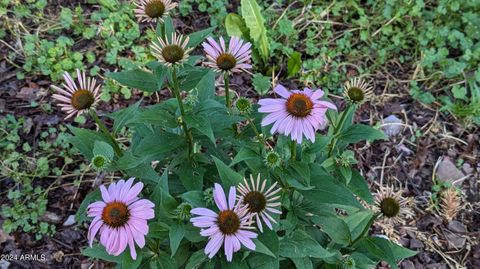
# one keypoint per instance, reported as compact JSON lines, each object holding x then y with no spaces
{"x":176,"y":234}
{"x":328,"y":191}
{"x":302,"y":263}
{"x":191,"y":176}
{"x":261,"y":248}
{"x":294,"y":63}
{"x":382,"y":249}
{"x":104,"y":149}
{"x":256,"y":24}
{"x":165,"y":203}
{"x":195,"y":198}
{"x":124,"y":116}
{"x":335,"y":227}
{"x":235,"y":26}
{"x":300,"y":245}
{"x":81,"y":214}
{"x":163,"y":261}
{"x":359,"y":186}
{"x":227,"y":175}
{"x":202,"y":124}
{"x":360,"y":132}
{"x":84,"y":140}
{"x":261,"y":84}
{"x":156,"y":115}
{"x":198,"y":37}
{"x":136,"y":79}
{"x":359,"y":222}
{"x":99,"y":252}
{"x":196,"y":260}
{"x":244,"y":154}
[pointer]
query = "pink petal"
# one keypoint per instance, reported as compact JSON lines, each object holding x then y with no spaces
{"x":204,"y":212}
{"x":219,"y":197}
{"x":231,"y":197}
{"x":228,"y":248}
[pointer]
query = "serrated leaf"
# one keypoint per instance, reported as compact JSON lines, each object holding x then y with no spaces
{"x":235,"y":26}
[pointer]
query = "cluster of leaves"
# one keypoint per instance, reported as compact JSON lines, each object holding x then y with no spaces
{"x":323,"y":223}
{"x":435,"y":43}
{"x":51,"y":48}
{"x":23,"y":167}
{"x":216,"y":9}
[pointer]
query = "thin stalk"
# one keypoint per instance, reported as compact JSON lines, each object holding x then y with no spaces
{"x":338,"y":129}
{"x":293,"y":150}
{"x":226,"y":79}
{"x":176,"y":92}
{"x":254,"y":128}
{"x":106,"y":132}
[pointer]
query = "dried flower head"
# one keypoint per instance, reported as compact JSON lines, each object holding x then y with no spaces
{"x":394,"y":208}
{"x":357,"y":91}
{"x":152,"y":10}
{"x":171,"y":51}
{"x":74,"y":98}
{"x":450,"y":203}
{"x":235,"y":58}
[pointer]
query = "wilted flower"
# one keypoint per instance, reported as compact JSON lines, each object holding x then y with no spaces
{"x":357,"y":91}
{"x":297,"y":113}
{"x":152,"y":10}
{"x":171,"y":51}
{"x":272,"y":159}
{"x":260,"y":203}
{"x":229,"y":227}
{"x":243,"y":105}
{"x":235,"y":58}
{"x":394,"y":208}
{"x":77,"y":98}
{"x":121,"y":218}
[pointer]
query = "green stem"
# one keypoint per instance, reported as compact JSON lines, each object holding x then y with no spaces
{"x":338,"y":129}
{"x":106,"y":132}
{"x":293,"y":150}
{"x":176,"y":92}
{"x":255,"y":130}
{"x":226,"y":79}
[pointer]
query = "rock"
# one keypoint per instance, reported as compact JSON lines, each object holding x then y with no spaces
{"x":70,"y":221}
{"x":392,"y":125}
{"x":457,"y":227}
{"x":447,"y":171}
{"x":437,"y":266}
{"x":456,"y":241}
{"x":416,"y":244}
{"x":467,"y":168}
{"x":51,"y":217}
{"x":4,"y":264}
{"x":408,"y":265}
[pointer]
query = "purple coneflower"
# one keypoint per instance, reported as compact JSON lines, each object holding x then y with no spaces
{"x":229,"y":227}
{"x":297,"y":113}
{"x":260,"y":203}
{"x":152,"y":10}
{"x":121,"y":217}
{"x":235,"y":58}
{"x":171,"y":51}
{"x":76,"y":99}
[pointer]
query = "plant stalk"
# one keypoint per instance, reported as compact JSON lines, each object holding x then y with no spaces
{"x":226,"y":79}
{"x":106,"y":132}
{"x":176,"y":92}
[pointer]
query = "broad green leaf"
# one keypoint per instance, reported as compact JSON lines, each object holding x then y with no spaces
{"x":156,"y":115}
{"x":104,"y":149}
{"x":256,"y":24}
{"x":202,"y":124}
{"x":235,"y":26}
{"x":294,"y":64}
{"x":195,"y":198}
{"x":136,"y":79}
{"x":359,"y":186}
{"x":302,"y":263}
{"x":97,"y":251}
{"x":163,"y":261}
{"x":335,"y":227}
{"x":244,"y":154}
{"x":261,"y":248}
{"x":382,"y":250}
{"x":124,"y":116}
{"x":176,"y":234}
{"x":299,"y":245}
{"x":84,"y":140}
{"x":165,"y":203}
{"x":198,"y":37}
{"x":227,"y":175}
{"x":359,"y":222}
{"x":328,"y":191}
{"x":196,"y":260}
{"x":261,"y":84}
{"x":190,"y":176}
{"x":360,"y":132}
{"x":261,"y":261}
{"x":362,"y":261}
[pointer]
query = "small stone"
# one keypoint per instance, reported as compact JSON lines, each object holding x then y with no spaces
{"x":457,"y":227}
{"x":467,"y":168}
{"x":456,"y":241}
{"x":51,"y":217}
{"x":447,"y":171}
{"x":70,"y":221}
{"x":407,"y":265}
{"x":416,"y":244}
{"x":392,"y":125}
